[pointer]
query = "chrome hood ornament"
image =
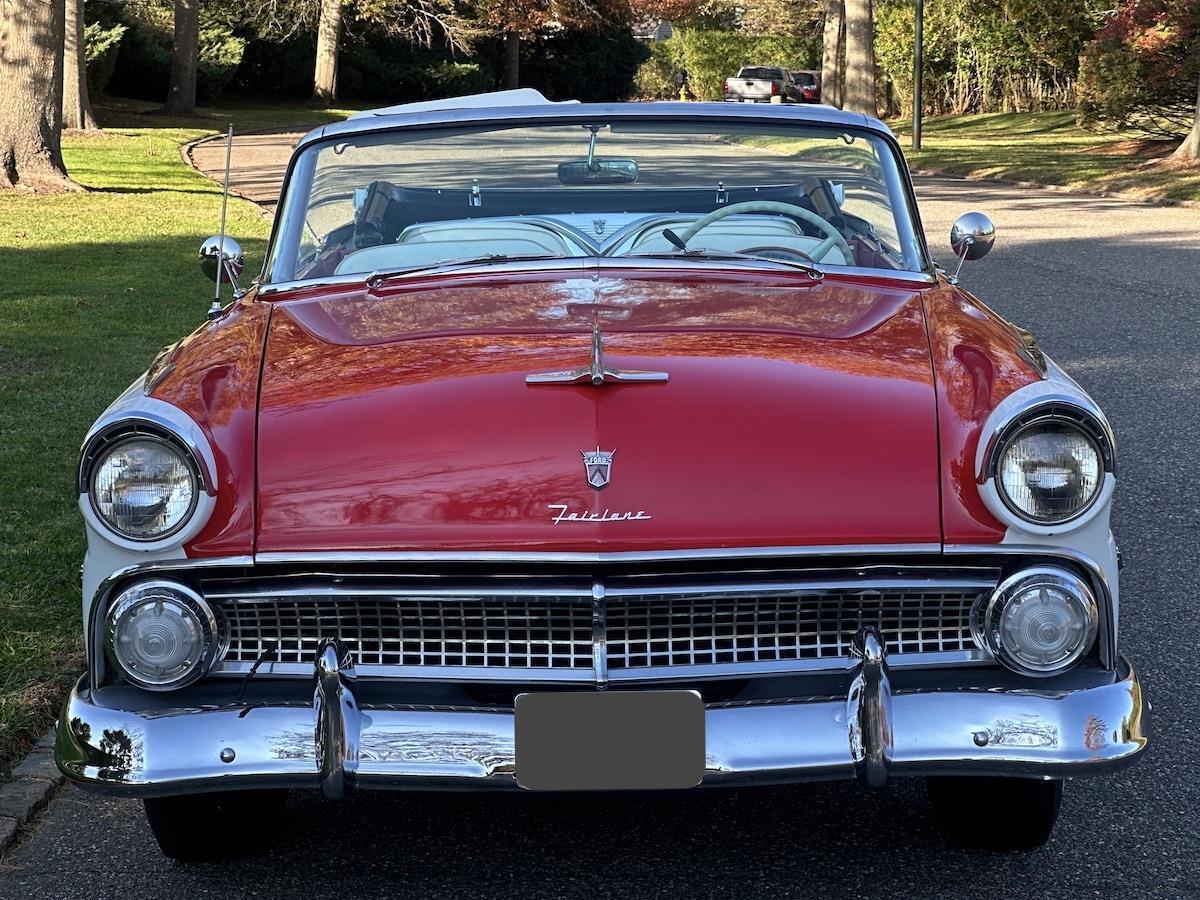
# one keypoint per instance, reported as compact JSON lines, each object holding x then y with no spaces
{"x":597,"y":464}
{"x":596,"y":372}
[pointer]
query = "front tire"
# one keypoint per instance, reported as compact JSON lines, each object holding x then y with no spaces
{"x":996,"y":813}
{"x":208,"y":827}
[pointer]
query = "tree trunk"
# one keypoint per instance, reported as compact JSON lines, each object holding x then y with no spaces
{"x":77,"y":107}
{"x":512,"y":60}
{"x":831,"y":53}
{"x":328,"y":33}
{"x":31,"y":82}
{"x":1189,"y":150}
{"x":181,"y":95}
{"x":858,"y":93}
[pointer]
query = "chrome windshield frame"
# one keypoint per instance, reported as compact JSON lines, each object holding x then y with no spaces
{"x":299,"y":176}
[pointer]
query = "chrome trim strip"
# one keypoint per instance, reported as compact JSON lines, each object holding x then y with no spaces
{"x":588,"y":675}
{"x":518,"y":589}
{"x":571,"y":556}
{"x":446,"y":674}
{"x":582,"y":264}
{"x":401,"y":592}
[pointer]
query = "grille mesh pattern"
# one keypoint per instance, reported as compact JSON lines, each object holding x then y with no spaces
{"x":536,"y":632}
{"x":555,"y":633}
{"x":719,"y":629}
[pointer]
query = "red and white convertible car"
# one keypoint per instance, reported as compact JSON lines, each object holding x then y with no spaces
{"x":586,"y":447}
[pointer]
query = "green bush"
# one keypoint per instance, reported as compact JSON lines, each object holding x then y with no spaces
{"x":142,"y":67}
{"x":655,"y":78}
{"x":100,"y":53}
{"x":596,"y":64}
{"x":1141,"y":70}
{"x":278,"y":67}
{"x":220,"y":55}
{"x":390,"y":70}
{"x":1014,"y":56}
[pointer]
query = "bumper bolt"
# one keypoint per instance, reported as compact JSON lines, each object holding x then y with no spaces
{"x":981,"y":738}
{"x":227,"y":755}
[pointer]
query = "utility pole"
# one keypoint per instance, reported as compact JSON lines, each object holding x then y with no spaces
{"x":918,"y":72}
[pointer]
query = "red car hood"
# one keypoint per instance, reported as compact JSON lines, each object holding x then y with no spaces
{"x":797,"y":413}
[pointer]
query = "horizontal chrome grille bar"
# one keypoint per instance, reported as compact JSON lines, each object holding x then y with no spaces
{"x":596,"y":633}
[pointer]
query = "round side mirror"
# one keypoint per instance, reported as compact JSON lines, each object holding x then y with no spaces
{"x":217,"y":249}
{"x":972,"y":236}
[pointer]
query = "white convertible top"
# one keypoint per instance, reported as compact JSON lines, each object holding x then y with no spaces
{"x":518,"y":97}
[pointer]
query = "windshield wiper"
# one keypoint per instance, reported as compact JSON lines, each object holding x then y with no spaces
{"x":374,"y":279}
{"x":700,"y":253}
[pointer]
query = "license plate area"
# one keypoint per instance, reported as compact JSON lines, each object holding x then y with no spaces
{"x":609,"y":740}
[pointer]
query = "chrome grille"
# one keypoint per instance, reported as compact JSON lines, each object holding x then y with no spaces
{"x":484,"y":632}
{"x":590,"y":634}
{"x":718,"y":629}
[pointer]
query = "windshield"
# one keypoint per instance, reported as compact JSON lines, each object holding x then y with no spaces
{"x":394,"y":201}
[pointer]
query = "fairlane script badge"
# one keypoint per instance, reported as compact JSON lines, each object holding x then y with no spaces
{"x":562,"y":513}
{"x":598,"y":465}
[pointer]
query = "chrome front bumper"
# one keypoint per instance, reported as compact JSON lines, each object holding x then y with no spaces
{"x":333,"y":744}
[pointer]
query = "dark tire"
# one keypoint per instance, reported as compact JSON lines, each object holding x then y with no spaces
{"x":207,"y":827}
{"x":996,"y":813}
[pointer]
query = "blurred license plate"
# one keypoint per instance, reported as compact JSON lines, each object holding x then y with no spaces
{"x":609,"y":740}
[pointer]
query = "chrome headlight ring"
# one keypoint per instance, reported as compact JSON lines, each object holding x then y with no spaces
{"x":145,"y":434}
{"x":162,"y":635}
{"x":1038,"y":622}
{"x":1070,"y":419}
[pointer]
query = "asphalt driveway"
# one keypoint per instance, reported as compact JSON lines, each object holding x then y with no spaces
{"x":1111,"y":290}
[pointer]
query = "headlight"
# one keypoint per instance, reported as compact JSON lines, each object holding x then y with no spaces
{"x":162,"y":635}
{"x":1050,"y":471}
{"x":143,"y":487}
{"x":1039,"y":621}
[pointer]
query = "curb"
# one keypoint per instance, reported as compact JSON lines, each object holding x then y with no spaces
{"x":34,"y":780}
{"x":1060,"y":189}
{"x":185,"y":153}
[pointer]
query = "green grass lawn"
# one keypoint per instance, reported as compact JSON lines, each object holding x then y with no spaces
{"x":91,"y":286}
{"x":1049,"y":148}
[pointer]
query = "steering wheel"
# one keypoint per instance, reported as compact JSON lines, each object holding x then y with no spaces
{"x":833,"y":237}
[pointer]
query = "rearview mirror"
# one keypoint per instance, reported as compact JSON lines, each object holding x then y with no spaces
{"x":598,"y":171}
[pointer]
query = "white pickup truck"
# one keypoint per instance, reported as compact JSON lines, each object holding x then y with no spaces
{"x":762,"y":84}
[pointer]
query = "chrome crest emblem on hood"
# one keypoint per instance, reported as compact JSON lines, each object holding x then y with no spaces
{"x":598,"y":466}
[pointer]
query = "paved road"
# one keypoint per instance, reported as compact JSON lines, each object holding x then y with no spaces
{"x":1111,"y":290}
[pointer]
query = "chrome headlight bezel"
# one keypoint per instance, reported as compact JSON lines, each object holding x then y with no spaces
{"x":110,"y":439}
{"x":214,"y":639}
{"x":986,"y":618}
{"x":1052,"y":414}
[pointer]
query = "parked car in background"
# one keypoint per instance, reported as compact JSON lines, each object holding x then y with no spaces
{"x":809,"y":83}
{"x":762,"y":84}
{"x":587,"y":447}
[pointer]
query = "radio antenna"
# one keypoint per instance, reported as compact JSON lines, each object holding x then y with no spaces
{"x":222,"y":271}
